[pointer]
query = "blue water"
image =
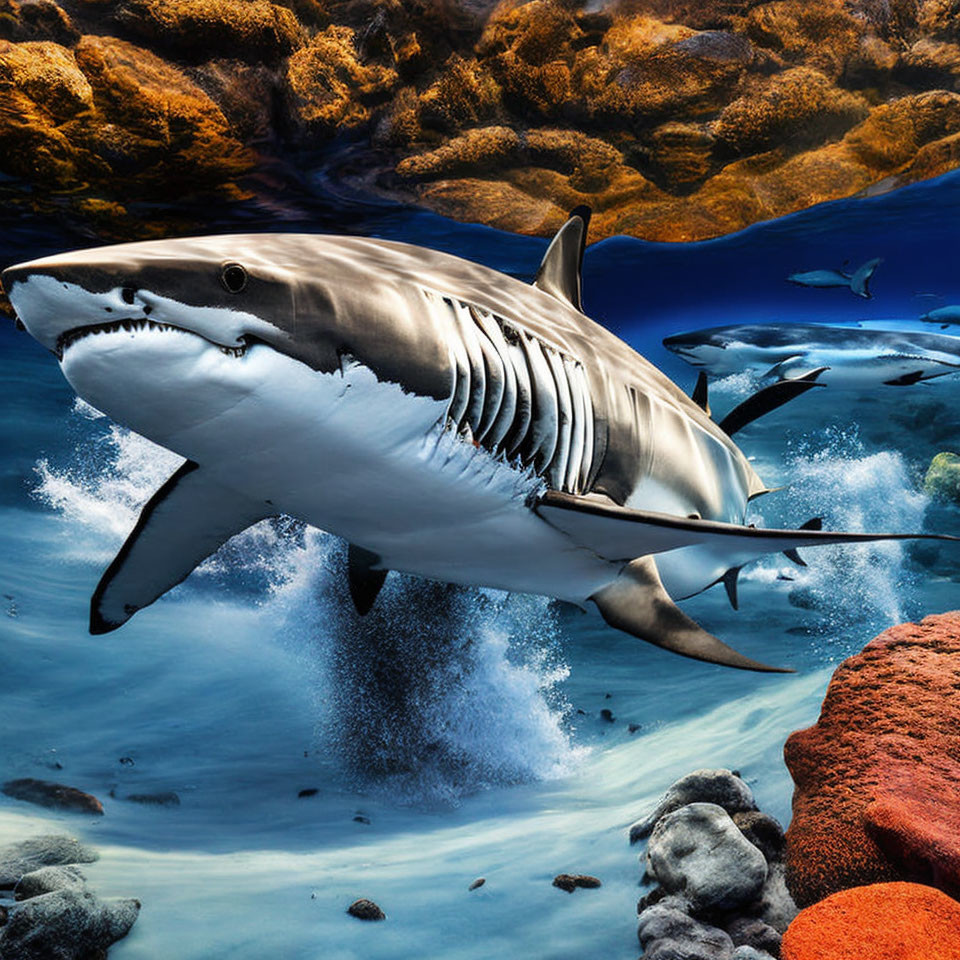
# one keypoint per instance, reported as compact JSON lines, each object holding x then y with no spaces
{"x":465,"y":727}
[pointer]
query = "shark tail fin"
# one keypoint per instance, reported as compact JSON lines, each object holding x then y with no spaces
{"x":860,"y":281}
{"x":637,"y":603}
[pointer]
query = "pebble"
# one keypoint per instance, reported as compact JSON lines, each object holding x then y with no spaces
{"x":56,"y":795}
{"x":570,"y":881}
{"x":364,"y":909}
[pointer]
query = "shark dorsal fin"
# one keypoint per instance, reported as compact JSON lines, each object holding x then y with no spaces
{"x":559,"y":273}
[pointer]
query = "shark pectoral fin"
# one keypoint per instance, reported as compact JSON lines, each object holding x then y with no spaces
{"x":365,"y":581}
{"x":619,"y":533}
{"x":768,"y":399}
{"x":637,"y":603}
{"x":185,"y":521}
{"x":559,"y":273}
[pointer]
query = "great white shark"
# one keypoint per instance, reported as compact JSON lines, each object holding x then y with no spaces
{"x":846,"y":358}
{"x":446,"y":419}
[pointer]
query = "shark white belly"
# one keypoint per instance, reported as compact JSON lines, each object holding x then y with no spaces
{"x":357,"y":456}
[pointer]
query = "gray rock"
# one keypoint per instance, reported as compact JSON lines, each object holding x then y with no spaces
{"x":775,"y":906}
{"x":65,"y":925}
{"x":699,"y":852}
{"x":666,"y":933}
{"x":721,"y":787}
{"x":749,"y":953}
{"x":46,"y":850}
{"x":753,"y":932}
{"x":48,"y":879}
{"x":763,"y":832}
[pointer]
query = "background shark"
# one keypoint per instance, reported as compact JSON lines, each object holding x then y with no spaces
{"x":945,"y":316}
{"x":846,"y":358}
{"x":857,"y":282}
{"x":446,"y":419}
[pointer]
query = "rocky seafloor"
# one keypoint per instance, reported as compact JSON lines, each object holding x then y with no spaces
{"x":674,"y":120}
{"x":869,"y":867}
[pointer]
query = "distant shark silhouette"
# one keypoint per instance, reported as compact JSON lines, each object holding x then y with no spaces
{"x":446,"y":419}
{"x":947,"y":316}
{"x":857,"y":282}
{"x":846,"y":358}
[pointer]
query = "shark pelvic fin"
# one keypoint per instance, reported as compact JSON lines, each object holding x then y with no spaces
{"x":185,"y":521}
{"x":637,"y":603}
{"x":730,"y":584}
{"x":768,"y":399}
{"x":699,"y":395}
{"x":559,"y":272}
{"x":619,"y":533}
{"x":814,"y":523}
{"x":365,"y":581}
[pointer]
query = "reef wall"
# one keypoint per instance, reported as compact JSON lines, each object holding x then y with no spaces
{"x":674,"y":120}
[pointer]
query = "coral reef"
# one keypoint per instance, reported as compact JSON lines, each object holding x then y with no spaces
{"x":877,"y":778}
{"x":881,"y":920}
{"x":674,"y":120}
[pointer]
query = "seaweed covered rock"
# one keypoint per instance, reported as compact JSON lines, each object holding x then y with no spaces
{"x":943,"y":477}
{"x":36,"y":20}
{"x":877,"y":778}
{"x":796,"y":109}
{"x":200,"y":29}
{"x":107,"y":111}
{"x":880,"y":920}
{"x":329,"y":88}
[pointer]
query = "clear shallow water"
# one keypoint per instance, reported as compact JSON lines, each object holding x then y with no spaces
{"x":464,"y":726}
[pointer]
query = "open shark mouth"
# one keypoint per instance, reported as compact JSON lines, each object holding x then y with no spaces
{"x":132,"y":325}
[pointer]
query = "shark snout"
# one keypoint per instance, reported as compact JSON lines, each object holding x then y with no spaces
{"x":58,"y":302}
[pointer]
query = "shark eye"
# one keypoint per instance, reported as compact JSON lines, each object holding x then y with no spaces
{"x":233,"y":277}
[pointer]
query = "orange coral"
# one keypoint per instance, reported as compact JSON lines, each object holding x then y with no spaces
{"x":885,"y":921}
{"x":878,"y":776}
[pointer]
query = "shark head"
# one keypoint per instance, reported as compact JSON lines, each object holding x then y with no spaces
{"x":699,"y":349}
{"x":163,"y":334}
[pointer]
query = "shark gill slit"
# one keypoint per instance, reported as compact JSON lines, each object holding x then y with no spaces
{"x":518,"y":397}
